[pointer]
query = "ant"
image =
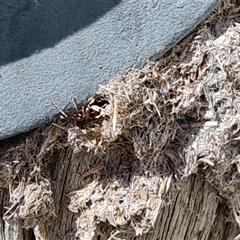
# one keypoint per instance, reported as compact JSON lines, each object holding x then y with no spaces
{"x":91,"y":110}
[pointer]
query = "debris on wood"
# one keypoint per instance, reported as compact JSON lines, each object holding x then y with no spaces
{"x":124,"y":155}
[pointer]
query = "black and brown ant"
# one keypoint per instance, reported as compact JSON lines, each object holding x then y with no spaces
{"x":88,"y":112}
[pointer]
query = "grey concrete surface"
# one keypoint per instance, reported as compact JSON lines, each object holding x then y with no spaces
{"x":52,"y":50}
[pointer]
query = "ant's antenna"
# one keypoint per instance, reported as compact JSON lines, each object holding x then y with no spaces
{"x":73,"y":99}
{"x":59,"y":109}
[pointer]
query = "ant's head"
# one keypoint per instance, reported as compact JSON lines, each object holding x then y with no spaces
{"x":63,"y":118}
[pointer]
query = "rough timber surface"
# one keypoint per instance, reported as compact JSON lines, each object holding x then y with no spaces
{"x":53,"y":50}
{"x":159,"y":160}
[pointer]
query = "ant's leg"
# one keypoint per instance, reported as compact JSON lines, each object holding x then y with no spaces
{"x":83,"y":113}
{"x":59,"y":109}
{"x":66,"y":106}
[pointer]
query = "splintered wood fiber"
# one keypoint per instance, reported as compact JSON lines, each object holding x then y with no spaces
{"x":153,"y":155}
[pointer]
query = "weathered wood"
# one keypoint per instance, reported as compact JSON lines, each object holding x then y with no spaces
{"x":194,"y":212}
{"x":163,"y":162}
{"x":12,"y":230}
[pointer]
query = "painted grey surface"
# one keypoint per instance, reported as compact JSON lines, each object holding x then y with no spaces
{"x":52,"y":50}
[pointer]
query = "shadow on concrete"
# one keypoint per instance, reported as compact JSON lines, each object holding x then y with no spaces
{"x":29,"y":26}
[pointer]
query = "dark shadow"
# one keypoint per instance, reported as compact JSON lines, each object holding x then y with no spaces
{"x":29,"y":26}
